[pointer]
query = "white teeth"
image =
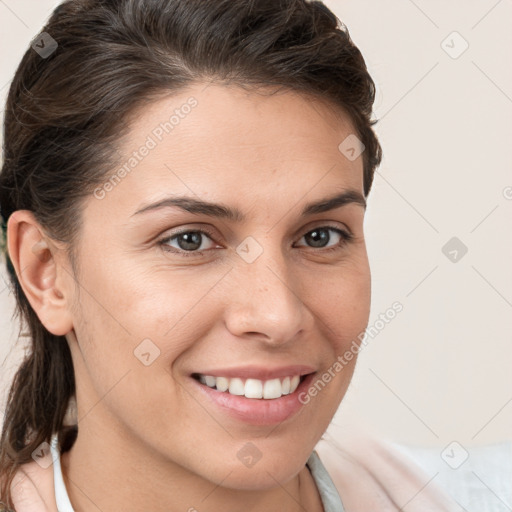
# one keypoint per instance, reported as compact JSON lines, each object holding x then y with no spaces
{"x":286,"y":386}
{"x":294,"y":383}
{"x":222,"y":383}
{"x":253,"y":388}
{"x":236,"y":387}
{"x":210,"y":381}
{"x":272,"y":389}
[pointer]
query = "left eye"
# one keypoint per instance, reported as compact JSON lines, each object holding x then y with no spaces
{"x":319,"y":235}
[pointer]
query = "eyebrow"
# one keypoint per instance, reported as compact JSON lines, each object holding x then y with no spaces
{"x":222,"y":211}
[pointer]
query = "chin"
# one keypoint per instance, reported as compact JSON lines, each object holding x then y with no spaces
{"x":276,"y":466}
{"x":262,"y":476}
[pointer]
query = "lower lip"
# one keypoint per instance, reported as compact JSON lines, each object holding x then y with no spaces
{"x":257,"y":411}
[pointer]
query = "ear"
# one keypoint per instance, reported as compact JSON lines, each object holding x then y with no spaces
{"x":39,"y":265}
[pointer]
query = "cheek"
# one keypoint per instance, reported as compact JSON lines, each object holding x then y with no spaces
{"x":342,"y":302}
{"x":128,"y":342}
{"x":129,"y":317}
{"x":342,"y":309}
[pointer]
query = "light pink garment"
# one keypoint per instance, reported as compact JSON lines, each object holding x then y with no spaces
{"x":373,"y":476}
{"x":370,"y":475}
{"x":33,"y":489}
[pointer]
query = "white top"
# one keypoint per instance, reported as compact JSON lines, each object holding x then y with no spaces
{"x":331,"y":500}
{"x":61,"y":495}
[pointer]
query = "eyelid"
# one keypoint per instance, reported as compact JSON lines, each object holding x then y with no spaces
{"x":316,"y":224}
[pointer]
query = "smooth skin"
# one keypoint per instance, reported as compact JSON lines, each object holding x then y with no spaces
{"x":148,"y":438}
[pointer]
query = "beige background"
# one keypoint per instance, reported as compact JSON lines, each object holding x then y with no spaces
{"x":441,"y":369}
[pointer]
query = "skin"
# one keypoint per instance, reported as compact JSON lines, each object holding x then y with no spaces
{"x":146,"y":430}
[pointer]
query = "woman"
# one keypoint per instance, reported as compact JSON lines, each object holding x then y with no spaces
{"x":183,"y":195}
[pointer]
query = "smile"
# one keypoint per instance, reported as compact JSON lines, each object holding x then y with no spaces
{"x":252,"y":388}
{"x":256,"y":395}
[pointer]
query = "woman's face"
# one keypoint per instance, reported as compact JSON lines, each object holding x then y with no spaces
{"x":169,"y":295}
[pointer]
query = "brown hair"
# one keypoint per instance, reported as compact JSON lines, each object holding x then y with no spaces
{"x":65,"y":112}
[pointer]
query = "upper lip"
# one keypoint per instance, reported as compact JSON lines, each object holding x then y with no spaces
{"x":259,"y":372}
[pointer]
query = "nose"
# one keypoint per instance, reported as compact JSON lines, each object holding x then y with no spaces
{"x":267,"y":304}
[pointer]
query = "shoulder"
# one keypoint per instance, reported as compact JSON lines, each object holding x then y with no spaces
{"x":372,"y":474}
{"x":33,"y":490}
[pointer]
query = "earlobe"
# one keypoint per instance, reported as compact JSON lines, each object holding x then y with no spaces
{"x":38,"y":265}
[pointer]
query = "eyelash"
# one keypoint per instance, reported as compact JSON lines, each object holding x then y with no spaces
{"x":346,"y":238}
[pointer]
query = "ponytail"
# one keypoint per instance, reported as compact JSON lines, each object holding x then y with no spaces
{"x":39,"y":401}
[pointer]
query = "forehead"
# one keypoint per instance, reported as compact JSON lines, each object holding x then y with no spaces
{"x":232,"y":144}
{"x":211,"y":113}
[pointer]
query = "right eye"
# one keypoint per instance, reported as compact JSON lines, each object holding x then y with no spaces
{"x":189,"y":242}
